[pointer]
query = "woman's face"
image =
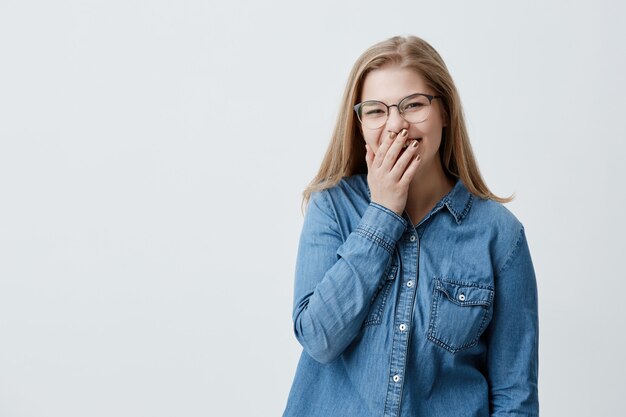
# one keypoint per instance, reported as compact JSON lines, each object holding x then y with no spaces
{"x":390,"y":85}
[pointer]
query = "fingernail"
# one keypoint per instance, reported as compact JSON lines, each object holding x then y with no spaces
{"x":403,"y":133}
{"x":414,"y":144}
{"x":393,"y":135}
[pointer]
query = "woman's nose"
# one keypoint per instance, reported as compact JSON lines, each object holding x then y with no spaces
{"x":395,"y":122}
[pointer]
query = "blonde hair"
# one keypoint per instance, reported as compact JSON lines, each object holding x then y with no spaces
{"x":345,"y":155}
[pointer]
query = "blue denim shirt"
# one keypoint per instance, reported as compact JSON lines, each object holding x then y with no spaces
{"x":396,"y":320}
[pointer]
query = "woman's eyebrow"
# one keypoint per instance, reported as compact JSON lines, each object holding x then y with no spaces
{"x":397,"y":101}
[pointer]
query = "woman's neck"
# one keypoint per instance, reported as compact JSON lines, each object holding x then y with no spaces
{"x":425,"y":191}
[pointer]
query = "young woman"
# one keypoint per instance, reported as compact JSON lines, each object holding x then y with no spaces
{"x":415,"y":292}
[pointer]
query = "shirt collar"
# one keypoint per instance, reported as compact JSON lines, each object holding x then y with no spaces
{"x":458,"y":201}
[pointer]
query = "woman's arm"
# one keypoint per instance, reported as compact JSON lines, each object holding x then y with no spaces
{"x":335,"y":280}
{"x":513,"y":336}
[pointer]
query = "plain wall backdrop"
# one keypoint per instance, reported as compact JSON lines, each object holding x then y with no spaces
{"x":152,"y":159}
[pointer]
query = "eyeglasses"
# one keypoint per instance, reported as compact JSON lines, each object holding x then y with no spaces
{"x":414,"y":109}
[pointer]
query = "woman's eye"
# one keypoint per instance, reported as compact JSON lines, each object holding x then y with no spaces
{"x":413,"y":105}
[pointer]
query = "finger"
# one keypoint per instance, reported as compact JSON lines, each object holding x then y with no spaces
{"x":410,"y":170}
{"x":369,"y":156}
{"x":394,"y":150}
{"x":405,"y":159}
{"x":382,"y":149}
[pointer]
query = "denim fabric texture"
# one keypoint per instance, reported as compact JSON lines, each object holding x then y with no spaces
{"x":434,"y":320}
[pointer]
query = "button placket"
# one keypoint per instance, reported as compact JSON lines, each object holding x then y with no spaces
{"x":403,"y":316}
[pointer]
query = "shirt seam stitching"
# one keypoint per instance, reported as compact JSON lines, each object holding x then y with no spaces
{"x":513,"y":251}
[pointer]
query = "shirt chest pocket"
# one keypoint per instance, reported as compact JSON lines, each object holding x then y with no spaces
{"x":459,"y":314}
{"x":379,"y":300}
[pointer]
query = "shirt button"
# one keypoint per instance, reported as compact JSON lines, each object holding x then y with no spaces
{"x":396,"y":378}
{"x":461,"y":297}
{"x":409,"y":284}
{"x":412,"y":238}
{"x":402,"y":327}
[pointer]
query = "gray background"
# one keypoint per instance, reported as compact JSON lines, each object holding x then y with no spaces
{"x":152,"y":158}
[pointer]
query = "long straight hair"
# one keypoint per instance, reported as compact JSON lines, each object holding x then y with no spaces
{"x":345,"y":155}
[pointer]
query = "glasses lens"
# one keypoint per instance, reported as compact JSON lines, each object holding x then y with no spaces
{"x":415,"y":109}
{"x":373,"y":114}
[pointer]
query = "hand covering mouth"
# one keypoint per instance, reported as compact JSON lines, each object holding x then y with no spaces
{"x":408,"y":141}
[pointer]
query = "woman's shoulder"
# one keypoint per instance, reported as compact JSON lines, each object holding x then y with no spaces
{"x":349,"y":188}
{"x":496,"y":223}
{"x":499,"y":224}
{"x":353,"y":184}
{"x":494,"y":212}
{"x":349,"y":197}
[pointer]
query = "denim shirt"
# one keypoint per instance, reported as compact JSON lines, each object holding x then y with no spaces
{"x":434,"y":320}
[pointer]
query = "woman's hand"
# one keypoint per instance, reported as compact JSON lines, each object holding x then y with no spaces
{"x":389,"y":176}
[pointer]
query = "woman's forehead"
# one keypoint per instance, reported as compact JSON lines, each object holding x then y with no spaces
{"x":392,"y":83}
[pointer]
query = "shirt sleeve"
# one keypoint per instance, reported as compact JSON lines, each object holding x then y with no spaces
{"x":513,"y":336}
{"x":336,"y":279}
